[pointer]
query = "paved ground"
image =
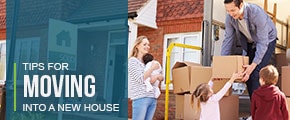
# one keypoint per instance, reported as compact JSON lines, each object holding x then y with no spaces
{"x":244,"y":106}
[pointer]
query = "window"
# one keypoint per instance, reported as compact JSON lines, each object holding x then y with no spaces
{"x":2,"y":61}
{"x":26,"y":50}
{"x":181,"y":54}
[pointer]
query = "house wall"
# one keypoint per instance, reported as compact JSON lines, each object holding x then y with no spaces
{"x":2,"y":34}
{"x":2,"y":19}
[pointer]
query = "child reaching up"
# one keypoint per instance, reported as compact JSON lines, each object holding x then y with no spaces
{"x":148,"y":60}
{"x":207,"y":101}
{"x":268,"y":102}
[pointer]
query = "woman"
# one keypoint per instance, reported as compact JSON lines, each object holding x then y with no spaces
{"x":143,"y":102}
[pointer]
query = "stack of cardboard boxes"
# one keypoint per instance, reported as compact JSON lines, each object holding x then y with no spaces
{"x":187,"y":76}
{"x":285,"y":74}
{"x":285,"y":82}
{"x":280,"y":61}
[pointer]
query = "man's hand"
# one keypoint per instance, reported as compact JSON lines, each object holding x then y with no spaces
{"x":248,"y":71}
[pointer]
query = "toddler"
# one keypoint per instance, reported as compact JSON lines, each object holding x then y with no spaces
{"x":148,"y":60}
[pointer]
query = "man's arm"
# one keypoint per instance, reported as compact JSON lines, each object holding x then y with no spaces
{"x":229,"y":36}
{"x":262,"y":22}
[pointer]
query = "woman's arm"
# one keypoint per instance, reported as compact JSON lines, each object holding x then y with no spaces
{"x":135,"y":71}
{"x":156,"y":77}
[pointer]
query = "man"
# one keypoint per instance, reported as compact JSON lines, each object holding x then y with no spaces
{"x":257,"y":34}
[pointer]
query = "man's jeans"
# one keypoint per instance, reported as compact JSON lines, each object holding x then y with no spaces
{"x":253,"y":82}
{"x":144,"y":108}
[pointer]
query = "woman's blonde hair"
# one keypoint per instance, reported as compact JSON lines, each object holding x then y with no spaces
{"x":201,"y":93}
{"x":134,"y":50}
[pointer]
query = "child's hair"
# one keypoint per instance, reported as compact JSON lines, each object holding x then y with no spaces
{"x":201,"y":93}
{"x":147,"y":58}
{"x":269,"y":74}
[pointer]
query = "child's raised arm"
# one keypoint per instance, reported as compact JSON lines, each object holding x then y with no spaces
{"x":210,"y":82}
{"x":223,"y":91}
{"x":234,"y":77}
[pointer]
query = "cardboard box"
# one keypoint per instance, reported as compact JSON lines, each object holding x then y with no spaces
{"x":179,"y":104}
{"x":285,"y":80}
{"x":219,"y":84}
{"x":279,"y":81}
{"x":191,"y":111}
{"x":181,"y":76}
{"x":199,"y":74}
{"x":225,"y":66}
{"x":288,"y":103}
{"x":280,"y":61}
{"x":229,"y":108}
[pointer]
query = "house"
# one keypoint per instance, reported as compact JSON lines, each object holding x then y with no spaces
{"x":90,"y":35}
{"x":176,"y":21}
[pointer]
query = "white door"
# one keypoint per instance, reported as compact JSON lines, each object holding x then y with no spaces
{"x":114,"y":44}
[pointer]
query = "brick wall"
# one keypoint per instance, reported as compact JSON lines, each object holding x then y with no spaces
{"x":160,"y":110}
{"x":2,"y":34}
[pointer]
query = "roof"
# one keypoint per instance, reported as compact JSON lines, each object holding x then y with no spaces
{"x":172,"y":10}
{"x":31,"y":12}
{"x":91,"y":10}
{"x":74,"y":11}
{"x":2,"y":14}
{"x":94,"y":10}
{"x":135,"y":5}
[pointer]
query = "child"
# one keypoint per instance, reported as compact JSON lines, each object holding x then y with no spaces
{"x":148,"y":59}
{"x":207,"y":101}
{"x":268,"y":102}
